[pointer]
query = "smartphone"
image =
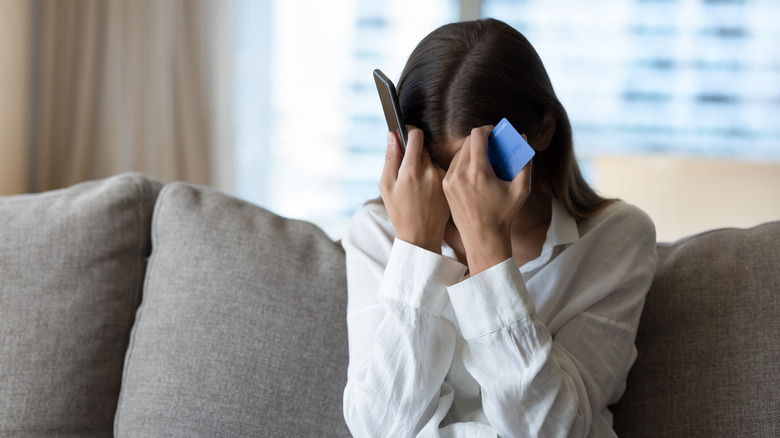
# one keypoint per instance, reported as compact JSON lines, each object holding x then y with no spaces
{"x":390,"y":105}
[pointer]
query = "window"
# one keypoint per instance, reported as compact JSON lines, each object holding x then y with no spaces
{"x":692,"y":77}
{"x":310,"y":134}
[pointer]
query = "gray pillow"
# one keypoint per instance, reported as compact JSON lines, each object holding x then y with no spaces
{"x":72,"y":264}
{"x":241,"y":331}
{"x":708,"y":340}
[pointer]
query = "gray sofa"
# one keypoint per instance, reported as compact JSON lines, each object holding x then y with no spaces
{"x":132,"y":309}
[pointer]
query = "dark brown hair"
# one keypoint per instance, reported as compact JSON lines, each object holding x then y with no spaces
{"x":468,"y":74}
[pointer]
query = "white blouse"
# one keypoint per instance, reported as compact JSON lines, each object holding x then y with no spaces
{"x":539,"y":351}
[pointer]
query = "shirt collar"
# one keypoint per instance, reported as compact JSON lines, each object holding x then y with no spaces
{"x":562,"y":231}
{"x":563,"y":228}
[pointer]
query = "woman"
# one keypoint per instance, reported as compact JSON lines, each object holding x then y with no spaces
{"x":482,"y":307}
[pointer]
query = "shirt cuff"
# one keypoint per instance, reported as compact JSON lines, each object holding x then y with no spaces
{"x":490,"y":300}
{"x":419,"y":277}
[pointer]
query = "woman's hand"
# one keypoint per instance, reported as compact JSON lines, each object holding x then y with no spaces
{"x":411,"y":188}
{"x":483,"y":206}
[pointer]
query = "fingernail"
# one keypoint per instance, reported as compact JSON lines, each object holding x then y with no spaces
{"x":390,"y":138}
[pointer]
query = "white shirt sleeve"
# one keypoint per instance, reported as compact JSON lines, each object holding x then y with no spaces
{"x":529,"y":388}
{"x":400,"y":345}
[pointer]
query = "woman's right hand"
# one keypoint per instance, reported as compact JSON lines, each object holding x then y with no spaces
{"x":411,"y":188}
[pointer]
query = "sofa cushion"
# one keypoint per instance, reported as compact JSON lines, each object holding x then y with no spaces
{"x":241,"y":331}
{"x":709,"y":340}
{"x":72,"y":264}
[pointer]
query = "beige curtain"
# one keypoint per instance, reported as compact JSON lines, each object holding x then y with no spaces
{"x":14,"y":99}
{"x":123,"y":85}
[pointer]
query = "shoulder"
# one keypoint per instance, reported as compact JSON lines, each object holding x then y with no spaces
{"x":371,"y":217}
{"x":620,"y":225}
{"x":618,"y":248}
{"x":370,"y":225}
{"x":621,"y":218}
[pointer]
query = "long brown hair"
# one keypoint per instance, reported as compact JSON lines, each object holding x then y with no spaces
{"x":468,"y":74}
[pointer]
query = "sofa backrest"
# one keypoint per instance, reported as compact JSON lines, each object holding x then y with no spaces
{"x":709,"y":340}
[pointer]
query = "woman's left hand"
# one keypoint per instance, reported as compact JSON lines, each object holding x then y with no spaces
{"x":483,"y":206}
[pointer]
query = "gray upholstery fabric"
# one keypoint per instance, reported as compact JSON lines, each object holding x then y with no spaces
{"x":709,"y":356}
{"x":72,"y":264}
{"x":242,"y":329}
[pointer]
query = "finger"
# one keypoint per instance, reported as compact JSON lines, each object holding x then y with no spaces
{"x":393,"y":157}
{"x":453,"y":168}
{"x":479,"y":144}
{"x":463,"y":154}
{"x":414,"y":146}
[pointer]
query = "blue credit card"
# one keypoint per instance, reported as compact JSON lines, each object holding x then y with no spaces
{"x":508,"y":152}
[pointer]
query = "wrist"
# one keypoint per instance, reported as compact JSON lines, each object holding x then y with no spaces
{"x":427,"y":242}
{"x":487,"y":252}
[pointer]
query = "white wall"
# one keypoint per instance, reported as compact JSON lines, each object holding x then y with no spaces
{"x":14,"y":86}
{"x":686,"y":196}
